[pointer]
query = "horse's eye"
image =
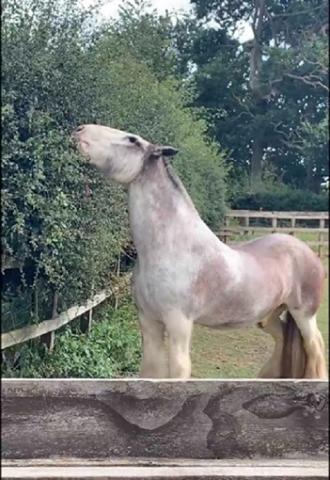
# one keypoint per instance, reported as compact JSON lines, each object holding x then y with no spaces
{"x":132,"y":139}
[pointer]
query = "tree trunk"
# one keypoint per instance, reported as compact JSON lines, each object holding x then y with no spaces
{"x":313,"y":182}
{"x":256,"y":160}
{"x":257,"y":93}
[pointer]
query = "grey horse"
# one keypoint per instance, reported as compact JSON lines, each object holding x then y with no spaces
{"x":185,"y":275}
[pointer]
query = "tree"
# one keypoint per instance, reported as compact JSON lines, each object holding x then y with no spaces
{"x":259,"y":94}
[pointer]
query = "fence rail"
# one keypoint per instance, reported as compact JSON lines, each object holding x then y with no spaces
{"x":229,"y":232}
{"x":279,"y":214}
{"x":207,"y":429}
{"x":47,"y":328}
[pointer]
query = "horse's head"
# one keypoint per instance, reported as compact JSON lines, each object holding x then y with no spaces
{"x":118,"y":155}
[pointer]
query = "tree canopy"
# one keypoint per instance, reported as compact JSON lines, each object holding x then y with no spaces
{"x":266,"y":99}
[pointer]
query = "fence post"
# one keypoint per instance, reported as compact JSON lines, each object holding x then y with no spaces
{"x":48,"y":338}
{"x":86,"y":319}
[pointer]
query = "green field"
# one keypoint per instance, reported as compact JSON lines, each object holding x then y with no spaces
{"x":240,"y":353}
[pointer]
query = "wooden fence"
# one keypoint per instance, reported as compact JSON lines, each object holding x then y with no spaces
{"x":230,"y":233}
{"x":207,"y":429}
{"x":46,"y":329}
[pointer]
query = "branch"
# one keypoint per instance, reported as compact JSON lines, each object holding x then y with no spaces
{"x":243,"y":105}
{"x":284,"y":134}
{"x":301,"y":12}
{"x":289,"y":139}
{"x":292,"y":145}
{"x":308,"y":81}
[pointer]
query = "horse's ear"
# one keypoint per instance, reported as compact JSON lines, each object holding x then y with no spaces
{"x":168,"y":151}
{"x":165,"y":150}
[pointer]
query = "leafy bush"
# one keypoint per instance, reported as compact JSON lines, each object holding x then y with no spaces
{"x":280,"y":198}
{"x":62,"y":221}
{"x":112,"y":349}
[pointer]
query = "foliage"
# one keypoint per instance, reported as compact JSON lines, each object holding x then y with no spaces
{"x":112,"y":349}
{"x":60,"y":219}
{"x":259,"y":95}
{"x":279,"y":197}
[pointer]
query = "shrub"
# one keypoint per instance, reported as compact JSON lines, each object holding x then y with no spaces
{"x":280,"y":198}
{"x":112,"y":349}
{"x":62,"y":221}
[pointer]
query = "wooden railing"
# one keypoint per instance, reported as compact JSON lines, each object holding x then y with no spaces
{"x":208,"y":429}
{"x":46,"y":329}
{"x":231,"y":233}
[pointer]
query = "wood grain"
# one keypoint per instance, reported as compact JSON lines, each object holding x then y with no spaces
{"x":220,"y":470}
{"x":103,"y":419}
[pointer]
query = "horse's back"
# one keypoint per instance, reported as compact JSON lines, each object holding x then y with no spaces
{"x":292,"y":259}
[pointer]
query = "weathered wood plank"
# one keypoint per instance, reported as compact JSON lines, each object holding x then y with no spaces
{"x":293,"y":470}
{"x":298,"y":215}
{"x":21,"y":335}
{"x":265,"y":230}
{"x":102,"y":419}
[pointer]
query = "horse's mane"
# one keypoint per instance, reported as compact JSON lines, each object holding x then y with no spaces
{"x":176,"y":182}
{"x":173,"y":176}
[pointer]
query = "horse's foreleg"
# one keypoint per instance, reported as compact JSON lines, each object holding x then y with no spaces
{"x":273,"y":367}
{"x":179,"y":330}
{"x":154,"y":358}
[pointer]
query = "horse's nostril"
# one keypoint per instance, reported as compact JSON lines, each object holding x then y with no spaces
{"x":80,"y":129}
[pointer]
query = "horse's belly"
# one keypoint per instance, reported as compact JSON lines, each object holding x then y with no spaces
{"x":241,"y":311}
{"x":228,"y":322}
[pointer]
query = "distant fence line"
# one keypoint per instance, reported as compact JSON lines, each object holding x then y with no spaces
{"x":229,"y":232}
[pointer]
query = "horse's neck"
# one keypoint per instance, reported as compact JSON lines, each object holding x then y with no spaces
{"x":162,"y":215}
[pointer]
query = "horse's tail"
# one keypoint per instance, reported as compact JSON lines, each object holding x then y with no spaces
{"x":293,"y":362}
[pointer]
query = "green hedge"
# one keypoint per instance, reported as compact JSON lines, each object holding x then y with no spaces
{"x":281,"y":198}
{"x":112,"y":349}
{"x":61,"y":220}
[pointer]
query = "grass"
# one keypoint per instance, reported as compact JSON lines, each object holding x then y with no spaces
{"x":240,"y":353}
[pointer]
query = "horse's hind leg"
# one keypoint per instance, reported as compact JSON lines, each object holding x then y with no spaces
{"x":313,"y":345}
{"x":179,"y":329}
{"x":154,"y":357}
{"x":273,"y":367}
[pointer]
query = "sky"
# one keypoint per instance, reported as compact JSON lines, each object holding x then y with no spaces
{"x":110,"y":9}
